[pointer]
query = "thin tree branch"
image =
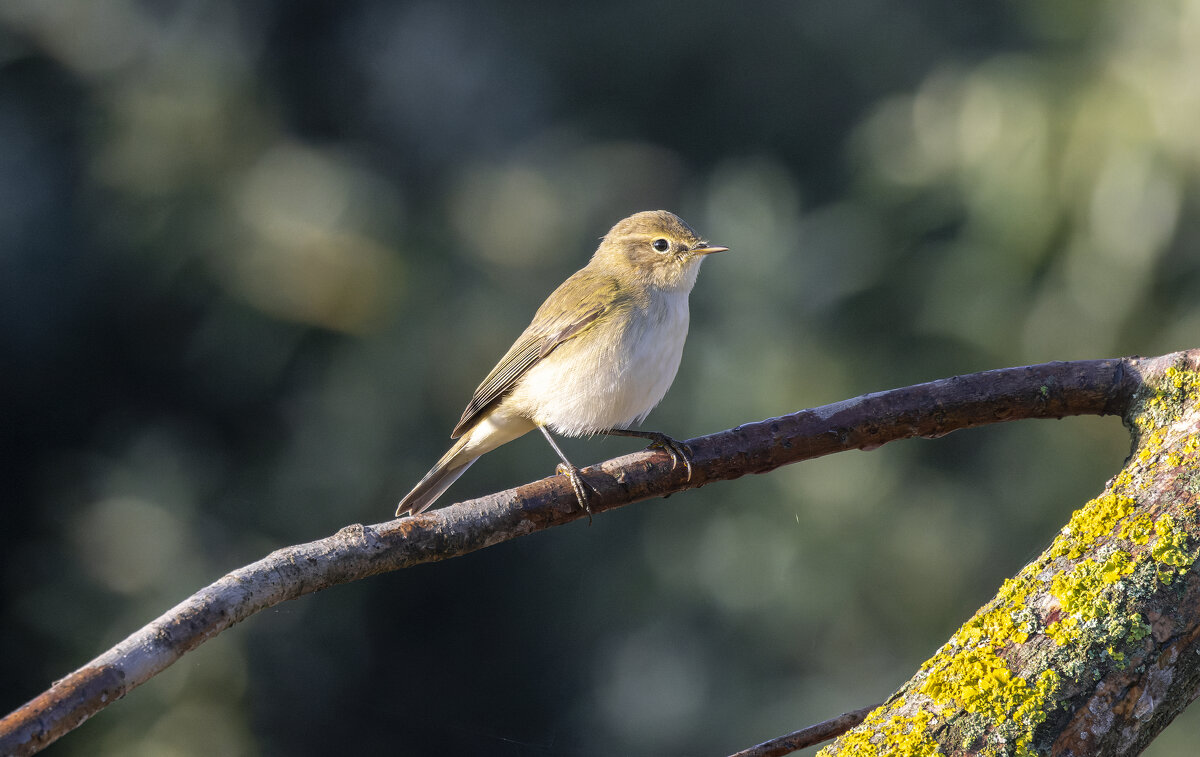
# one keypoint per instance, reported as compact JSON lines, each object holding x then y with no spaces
{"x":814,"y":734}
{"x":1052,"y":390}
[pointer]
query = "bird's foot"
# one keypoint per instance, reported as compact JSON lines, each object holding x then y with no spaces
{"x":675,"y":448}
{"x":578,"y":484}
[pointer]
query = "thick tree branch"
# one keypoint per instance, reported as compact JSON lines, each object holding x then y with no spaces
{"x":1052,"y":390}
{"x":1094,"y":647}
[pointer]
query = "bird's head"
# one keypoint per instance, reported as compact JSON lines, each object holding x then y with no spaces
{"x":656,"y":249}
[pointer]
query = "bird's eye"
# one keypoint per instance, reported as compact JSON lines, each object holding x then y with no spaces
{"x":661,"y":244}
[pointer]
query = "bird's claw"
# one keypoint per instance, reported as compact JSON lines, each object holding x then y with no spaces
{"x":675,"y":448}
{"x":578,"y":484}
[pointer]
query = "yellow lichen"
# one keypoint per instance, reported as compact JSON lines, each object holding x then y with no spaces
{"x":1137,"y":529}
{"x":1170,"y":549}
{"x":1083,"y":595}
{"x":1123,"y":480}
{"x":1093,"y":521}
{"x":1151,"y":445}
{"x":996,"y":623}
{"x":904,"y":736}
{"x":969,"y":674}
{"x":981,"y":683}
{"x":1186,"y":451}
{"x":1179,"y":389}
{"x":1177,"y":383}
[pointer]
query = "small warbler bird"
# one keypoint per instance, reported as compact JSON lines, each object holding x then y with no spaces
{"x":601,"y":352}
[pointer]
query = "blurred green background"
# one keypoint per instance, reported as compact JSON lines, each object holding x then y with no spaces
{"x":256,"y":257}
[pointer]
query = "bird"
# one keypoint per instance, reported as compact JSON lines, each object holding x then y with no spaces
{"x":599,"y":355}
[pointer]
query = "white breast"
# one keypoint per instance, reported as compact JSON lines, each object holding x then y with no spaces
{"x":610,"y":377}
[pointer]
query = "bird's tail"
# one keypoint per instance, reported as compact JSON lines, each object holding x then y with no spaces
{"x":452,"y":465}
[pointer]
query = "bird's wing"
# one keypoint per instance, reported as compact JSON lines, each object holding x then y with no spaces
{"x":555,"y":322}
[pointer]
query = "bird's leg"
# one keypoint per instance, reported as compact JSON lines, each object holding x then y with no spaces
{"x":675,"y":448}
{"x":568,"y":469}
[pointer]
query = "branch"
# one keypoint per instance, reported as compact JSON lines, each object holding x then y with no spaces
{"x":1094,"y":647}
{"x":1052,"y":390}
{"x":814,"y":734}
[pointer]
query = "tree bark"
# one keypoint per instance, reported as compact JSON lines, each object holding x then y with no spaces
{"x":1052,"y":390}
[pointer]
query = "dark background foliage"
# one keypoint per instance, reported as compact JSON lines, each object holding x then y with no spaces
{"x":255,"y":257}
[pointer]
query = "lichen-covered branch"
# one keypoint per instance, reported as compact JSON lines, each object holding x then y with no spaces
{"x":1053,"y":390}
{"x":1094,"y":647}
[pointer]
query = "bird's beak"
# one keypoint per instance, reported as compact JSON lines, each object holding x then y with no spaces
{"x":707,"y":250}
